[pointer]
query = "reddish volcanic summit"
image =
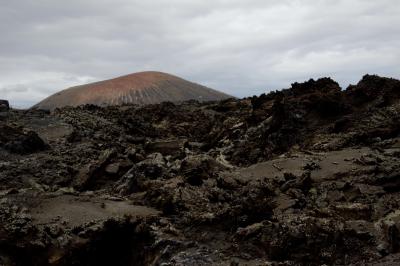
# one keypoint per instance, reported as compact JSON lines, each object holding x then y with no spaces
{"x":138,"y":88}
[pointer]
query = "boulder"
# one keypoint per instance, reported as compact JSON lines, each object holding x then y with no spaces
{"x":388,"y":229}
{"x":153,"y":166}
{"x":354,"y":211}
{"x":196,"y":168}
{"x":15,"y":140}
{"x":88,"y":174}
{"x":4,"y":106}
{"x":113,"y":168}
{"x":167,"y":147}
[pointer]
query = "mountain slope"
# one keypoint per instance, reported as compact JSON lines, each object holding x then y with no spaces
{"x":138,"y":88}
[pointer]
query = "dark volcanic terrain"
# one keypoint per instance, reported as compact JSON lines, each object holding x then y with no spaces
{"x":305,"y":176}
{"x":139,"y":88}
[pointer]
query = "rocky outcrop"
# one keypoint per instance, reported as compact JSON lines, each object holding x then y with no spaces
{"x":4,"y":106}
{"x":16,"y":140}
{"x":304,"y":176}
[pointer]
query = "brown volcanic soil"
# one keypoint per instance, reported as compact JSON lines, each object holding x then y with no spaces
{"x":305,"y":176}
{"x":138,"y":88}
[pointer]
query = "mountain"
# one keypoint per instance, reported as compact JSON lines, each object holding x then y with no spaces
{"x":139,"y":88}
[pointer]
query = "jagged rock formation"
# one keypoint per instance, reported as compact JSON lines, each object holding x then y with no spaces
{"x":304,"y":176}
{"x":138,"y":88}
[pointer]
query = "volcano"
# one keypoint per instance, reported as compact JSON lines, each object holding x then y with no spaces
{"x":139,"y":88}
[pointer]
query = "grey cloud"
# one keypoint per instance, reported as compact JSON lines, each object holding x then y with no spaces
{"x":16,"y":88}
{"x":240,"y":47}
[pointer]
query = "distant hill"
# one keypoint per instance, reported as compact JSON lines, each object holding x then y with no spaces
{"x":139,"y":88}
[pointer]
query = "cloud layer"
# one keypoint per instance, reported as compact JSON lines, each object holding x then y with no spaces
{"x":240,"y":47}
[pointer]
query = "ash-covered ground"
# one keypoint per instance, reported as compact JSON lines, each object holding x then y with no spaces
{"x":305,"y":176}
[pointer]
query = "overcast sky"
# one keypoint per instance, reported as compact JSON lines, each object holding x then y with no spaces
{"x":241,"y":47}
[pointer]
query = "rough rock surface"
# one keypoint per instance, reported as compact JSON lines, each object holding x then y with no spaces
{"x":4,"y":106}
{"x":304,"y":176}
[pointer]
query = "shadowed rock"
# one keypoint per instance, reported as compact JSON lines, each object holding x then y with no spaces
{"x":4,"y":106}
